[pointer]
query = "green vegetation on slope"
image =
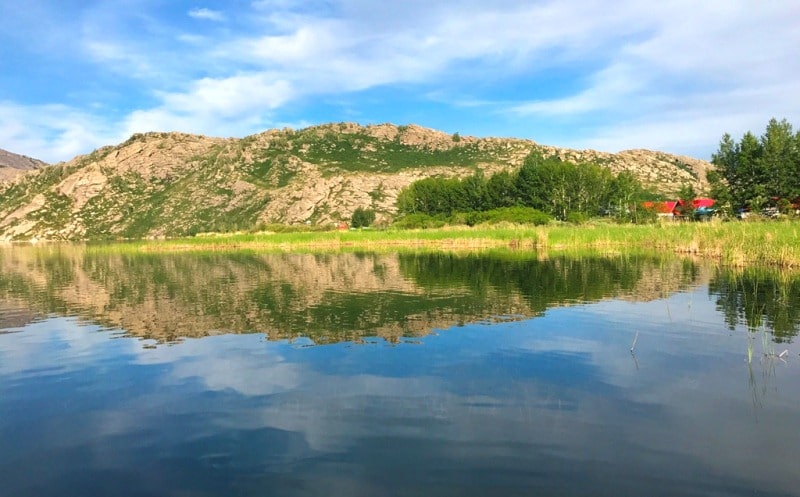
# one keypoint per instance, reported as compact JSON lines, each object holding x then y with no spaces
{"x":18,"y":193}
{"x":362,"y":152}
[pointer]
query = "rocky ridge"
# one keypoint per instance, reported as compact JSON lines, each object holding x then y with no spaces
{"x":14,"y":165}
{"x":173,"y":184}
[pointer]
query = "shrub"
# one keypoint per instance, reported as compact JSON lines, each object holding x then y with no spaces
{"x":519,"y":215}
{"x":468,"y":218}
{"x":641,"y":215}
{"x":362,"y":218}
{"x":576,"y":218}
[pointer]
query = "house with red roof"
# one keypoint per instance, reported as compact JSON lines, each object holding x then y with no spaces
{"x":674,"y":209}
{"x":703,"y":203}
{"x":664,"y":209}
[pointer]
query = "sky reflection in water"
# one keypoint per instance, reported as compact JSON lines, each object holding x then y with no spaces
{"x":554,"y":404}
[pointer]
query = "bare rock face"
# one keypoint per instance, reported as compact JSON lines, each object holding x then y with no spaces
{"x":83,"y":185}
{"x":661,"y":172}
{"x":176,"y":184}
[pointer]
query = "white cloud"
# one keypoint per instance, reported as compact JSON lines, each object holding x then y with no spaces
{"x":687,"y":80}
{"x":308,"y":44}
{"x":609,"y":87}
{"x":608,"y":70}
{"x":118,"y":57}
{"x":231,"y":96}
{"x":191,"y":39}
{"x":696,"y":133}
{"x":217,"y":107}
{"x":207,"y":14}
{"x":253,"y":372}
{"x":51,"y":132}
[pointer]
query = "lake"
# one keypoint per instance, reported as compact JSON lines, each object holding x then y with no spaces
{"x":410,"y":374}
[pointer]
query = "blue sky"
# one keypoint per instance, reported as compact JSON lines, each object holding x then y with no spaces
{"x":671,"y":76}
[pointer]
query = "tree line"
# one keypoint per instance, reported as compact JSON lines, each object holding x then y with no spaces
{"x":757,"y":172}
{"x":559,"y":188}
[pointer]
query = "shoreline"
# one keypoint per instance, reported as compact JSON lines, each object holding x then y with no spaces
{"x":738,"y":244}
{"x":735,"y":244}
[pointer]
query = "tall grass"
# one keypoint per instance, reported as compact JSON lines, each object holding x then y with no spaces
{"x":732,"y":243}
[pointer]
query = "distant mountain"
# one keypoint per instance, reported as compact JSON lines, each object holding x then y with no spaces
{"x":172,"y":184}
{"x":13,"y":165}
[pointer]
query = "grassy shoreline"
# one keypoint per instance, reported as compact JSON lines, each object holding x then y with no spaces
{"x":738,"y":244}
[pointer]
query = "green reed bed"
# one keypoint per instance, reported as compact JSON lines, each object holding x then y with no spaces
{"x":442,"y":236}
{"x":731,"y":243}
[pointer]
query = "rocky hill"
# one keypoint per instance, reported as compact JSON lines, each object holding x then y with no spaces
{"x":13,"y":165}
{"x":171,"y":184}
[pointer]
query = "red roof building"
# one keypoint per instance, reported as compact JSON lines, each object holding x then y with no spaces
{"x":668,"y":208}
{"x":665,"y":207}
{"x":705,"y":203}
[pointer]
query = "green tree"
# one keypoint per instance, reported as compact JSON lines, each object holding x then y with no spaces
{"x":548,"y":184}
{"x":474,"y":191}
{"x":542,"y":184}
{"x":590,"y":187}
{"x":780,"y":159}
{"x":362,"y":218}
{"x":433,"y":196}
{"x":757,"y":169}
{"x":426,"y":196}
{"x":559,"y":187}
{"x":501,"y":191}
{"x":625,"y":191}
{"x":720,"y":192}
{"x":687,"y":194}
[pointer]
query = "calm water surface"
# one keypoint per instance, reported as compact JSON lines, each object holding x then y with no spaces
{"x":411,"y":374}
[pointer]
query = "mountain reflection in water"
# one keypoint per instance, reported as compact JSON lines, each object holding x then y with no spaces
{"x":344,"y":297}
{"x":327,"y":298}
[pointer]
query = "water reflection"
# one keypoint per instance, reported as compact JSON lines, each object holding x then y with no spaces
{"x":759,"y":298}
{"x":327,"y":298}
{"x":346,"y":297}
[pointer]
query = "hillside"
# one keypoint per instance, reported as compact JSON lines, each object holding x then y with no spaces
{"x":172,"y":184}
{"x":13,"y":165}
